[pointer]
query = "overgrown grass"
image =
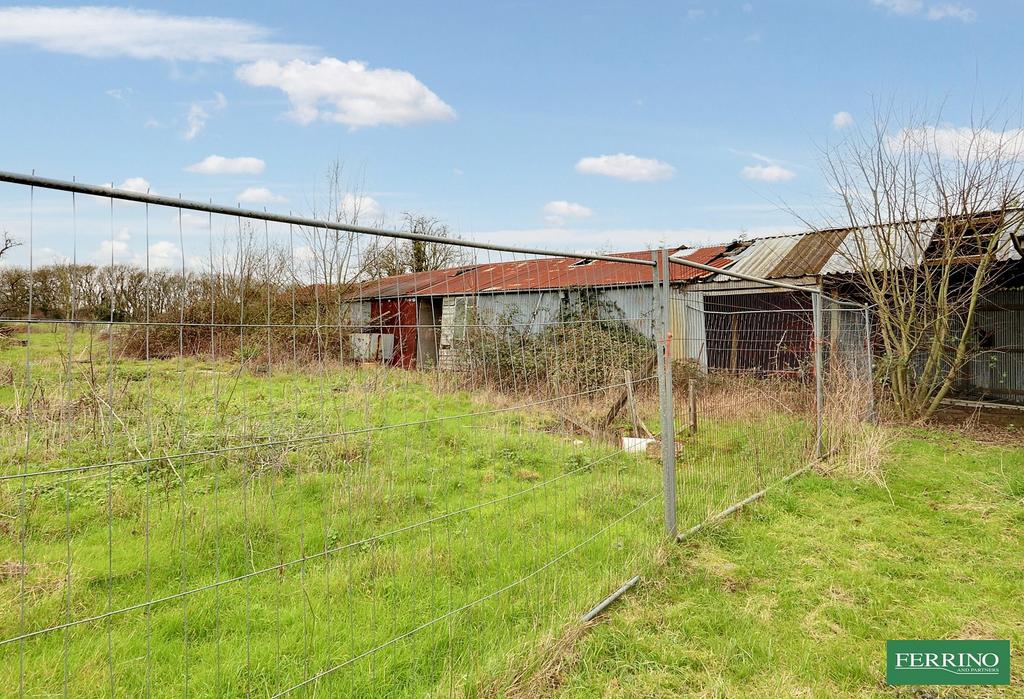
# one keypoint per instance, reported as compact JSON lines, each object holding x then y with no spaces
{"x":291,"y":518}
{"x":377,"y":506}
{"x":796,"y":595}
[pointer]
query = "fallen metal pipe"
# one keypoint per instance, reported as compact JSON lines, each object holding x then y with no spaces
{"x":737,"y":506}
{"x":589,"y":616}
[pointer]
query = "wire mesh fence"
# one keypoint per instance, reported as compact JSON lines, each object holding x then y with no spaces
{"x":768,"y":381}
{"x":255,"y":454}
{"x":240,"y":458}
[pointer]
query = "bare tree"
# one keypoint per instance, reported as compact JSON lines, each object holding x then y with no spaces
{"x":8,"y":243}
{"x":332,"y":251}
{"x":933,"y":215}
{"x":390,"y":257}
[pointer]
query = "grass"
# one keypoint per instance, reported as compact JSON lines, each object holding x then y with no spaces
{"x":323,"y":519}
{"x":379,"y":527}
{"x":382,"y":506}
{"x":796,"y":595}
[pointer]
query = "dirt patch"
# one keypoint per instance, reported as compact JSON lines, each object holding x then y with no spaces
{"x":998,"y":426}
{"x":542,"y":677}
{"x":12,"y":569}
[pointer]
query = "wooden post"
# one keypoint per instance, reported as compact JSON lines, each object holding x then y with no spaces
{"x":693,"y":406}
{"x":631,"y":402}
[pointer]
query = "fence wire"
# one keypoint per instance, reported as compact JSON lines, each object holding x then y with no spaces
{"x":747,"y":372}
{"x":251,"y":454}
{"x":246,"y":457}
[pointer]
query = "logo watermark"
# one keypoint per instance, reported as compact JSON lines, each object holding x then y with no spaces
{"x":947,"y":662}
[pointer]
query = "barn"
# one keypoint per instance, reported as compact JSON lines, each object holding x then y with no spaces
{"x":421,"y":319}
{"x":428,"y":314}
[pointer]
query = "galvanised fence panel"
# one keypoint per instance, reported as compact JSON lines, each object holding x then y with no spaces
{"x":249,"y":454}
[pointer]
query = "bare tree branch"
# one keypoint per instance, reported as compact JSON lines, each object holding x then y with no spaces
{"x":8,"y":243}
{"x":930,"y":214}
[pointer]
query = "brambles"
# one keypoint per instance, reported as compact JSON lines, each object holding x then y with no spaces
{"x":586,"y":347}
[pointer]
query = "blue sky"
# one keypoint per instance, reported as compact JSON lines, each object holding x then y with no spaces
{"x":594,"y":125}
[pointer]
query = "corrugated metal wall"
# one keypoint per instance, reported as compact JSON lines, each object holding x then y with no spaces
{"x":687,"y":324}
{"x":525,"y":310}
{"x":536,"y":310}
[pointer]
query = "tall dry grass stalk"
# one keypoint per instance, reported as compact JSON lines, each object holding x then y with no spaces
{"x":854,"y":444}
{"x":744,"y":397}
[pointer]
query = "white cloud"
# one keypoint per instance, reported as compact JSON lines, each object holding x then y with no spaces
{"x":948,"y":10}
{"x":197,"y":116}
{"x":162,"y":254}
{"x":360,"y":207}
{"x":900,"y":7}
{"x":219,"y":165}
{"x":348,"y":92}
{"x":116,"y":250}
{"x":111,"y":32}
{"x":695,"y":14}
{"x":260,"y":195}
{"x":961,"y":142}
{"x":842,"y":120}
{"x":767,"y":173}
{"x":136,"y":184}
{"x":199,"y":112}
{"x":121,"y":94}
{"x":626,"y":167}
{"x":557,"y":212}
{"x":193,"y":220}
{"x":952,"y":11}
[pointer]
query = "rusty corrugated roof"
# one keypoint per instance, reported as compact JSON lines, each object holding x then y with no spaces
{"x":757,"y":257}
{"x":536,"y":274}
{"x":809,"y":255}
{"x":782,"y":257}
{"x":410,"y":284}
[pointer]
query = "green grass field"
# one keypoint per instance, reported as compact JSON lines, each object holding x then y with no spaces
{"x":381,"y":505}
{"x":796,"y":595}
{"x":401,"y":537}
{"x":221,"y":528}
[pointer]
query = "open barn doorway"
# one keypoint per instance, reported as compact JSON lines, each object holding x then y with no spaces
{"x":428,"y":331}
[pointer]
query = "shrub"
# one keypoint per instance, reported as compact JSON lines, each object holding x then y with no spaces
{"x":585,"y":348}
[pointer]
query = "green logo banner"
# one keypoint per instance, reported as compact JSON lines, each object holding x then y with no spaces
{"x":947,"y":662}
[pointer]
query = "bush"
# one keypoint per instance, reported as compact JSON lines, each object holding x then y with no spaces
{"x":585,"y":348}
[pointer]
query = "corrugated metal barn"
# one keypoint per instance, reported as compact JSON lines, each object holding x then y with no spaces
{"x":529,"y":294}
{"x":716,"y":321}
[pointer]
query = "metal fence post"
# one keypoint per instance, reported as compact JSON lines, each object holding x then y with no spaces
{"x":819,"y":378}
{"x":668,"y":432}
{"x":869,"y":347}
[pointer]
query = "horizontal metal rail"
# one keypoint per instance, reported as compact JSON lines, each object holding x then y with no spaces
{"x":744,"y":277}
{"x":112,"y":193}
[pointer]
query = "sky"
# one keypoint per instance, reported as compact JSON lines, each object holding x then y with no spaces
{"x":593,"y":125}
